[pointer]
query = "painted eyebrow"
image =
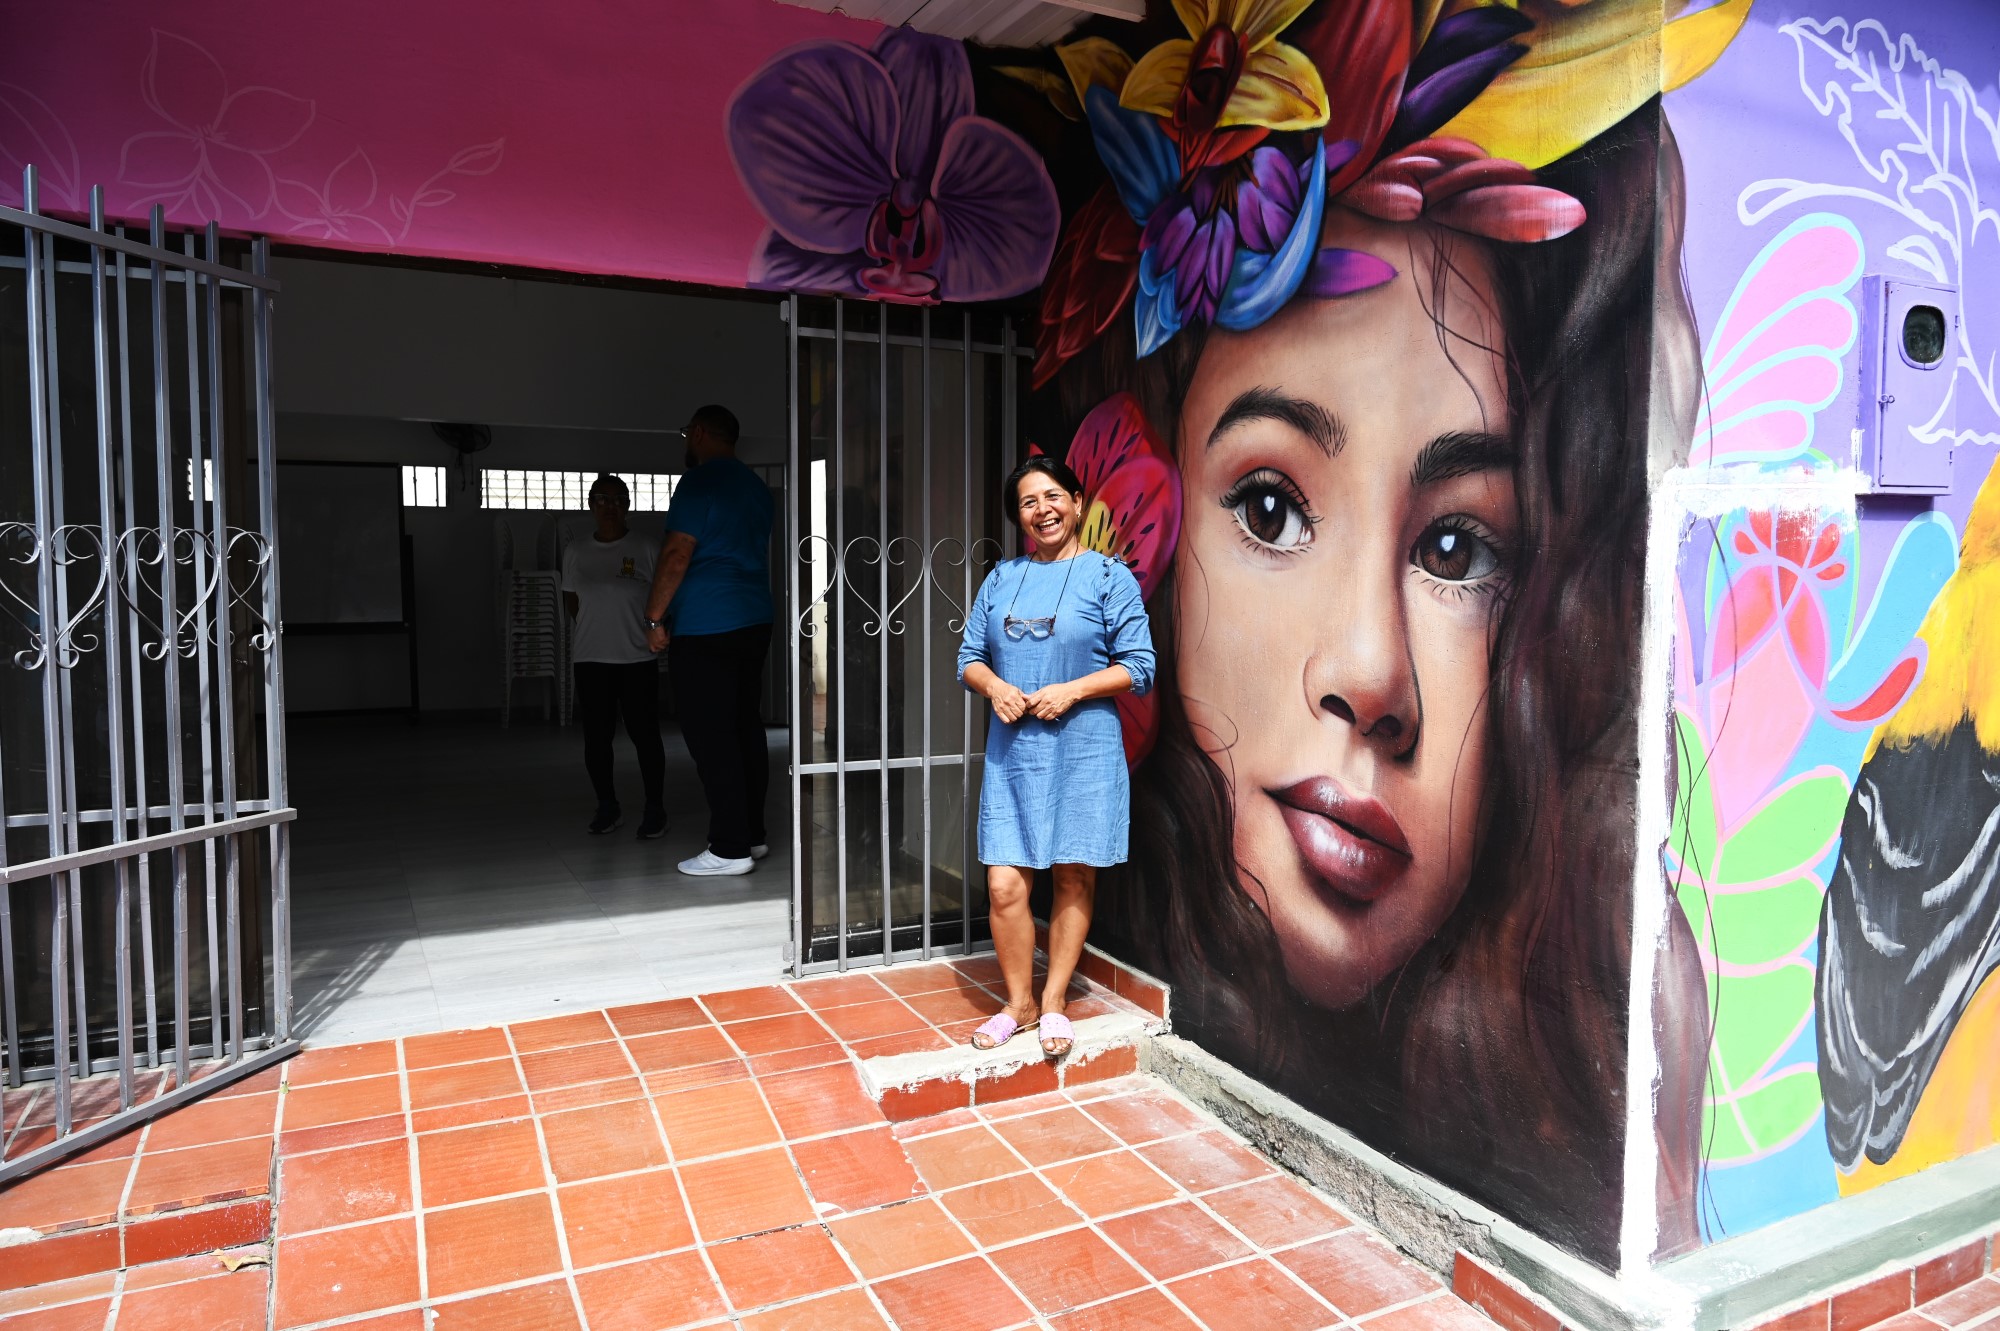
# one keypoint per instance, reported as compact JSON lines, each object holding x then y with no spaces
{"x":1461,"y":453}
{"x":1268,"y":404}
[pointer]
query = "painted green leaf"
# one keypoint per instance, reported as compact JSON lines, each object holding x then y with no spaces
{"x":1694,"y":803}
{"x":1760,"y":1014}
{"x":1785,"y":830}
{"x":1722,"y":1136}
{"x":1752,"y":928}
{"x":1779,"y":1109}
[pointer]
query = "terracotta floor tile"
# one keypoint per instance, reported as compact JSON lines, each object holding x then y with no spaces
{"x":821,"y":1100}
{"x":1146,"y":1118}
{"x":745,"y":1004}
{"x":949,"y":1121}
{"x":66,"y":1197}
{"x":794,"y":1060}
{"x":948,"y":1006}
{"x":1061,"y":1134}
{"x":1276,"y":1212}
{"x":353,"y":1133}
{"x":588,"y":1094}
{"x":458,"y":1083}
{"x":899,"y":1238}
{"x":346,"y":1271}
{"x":924,"y":1041}
{"x":432,"y":1051}
{"x":470,"y":1113}
{"x":575,"y":1064}
{"x":228,"y":1300}
{"x":88,"y":1316}
{"x":670,"y":1014}
{"x":770,"y":1035}
{"x":696,"y":1077}
{"x":680,"y":1049}
{"x":1107,"y":1184}
{"x":970,"y":1155}
{"x":778,"y":1267}
{"x":920,"y":978}
{"x":55,"y":1293}
{"x":1040,"y":1102}
{"x":467,"y":1164}
{"x":1445,"y":1313}
{"x":606,"y":1139}
{"x":1064,"y":1270}
{"x":715,"y":1120}
{"x":1966,"y":1305}
{"x":206,"y":1122}
{"x":544,"y":1307}
{"x":849,"y":1310}
{"x":1359,"y":1273}
{"x":1219,"y":1298}
{"x":833,"y":991}
{"x":965,"y":1296}
{"x":59,"y":1257}
{"x":410,"y":1319}
{"x":856,"y":1170}
{"x":1210,"y":1160}
{"x":1172,"y":1241}
{"x":745,"y":1194}
{"x":492,"y":1243}
{"x":341,"y":1187}
{"x":1008,"y":1209}
{"x":200,"y":1174}
{"x":654,"y":1295}
{"x":1148,"y":1310}
{"x":865,"y":1021}
{"x":986,"y":970}
{"x":342,"y":1102}
{"x":635,"y":1215}
{"x":342,"y":1062}
{"x":533,"y":1037}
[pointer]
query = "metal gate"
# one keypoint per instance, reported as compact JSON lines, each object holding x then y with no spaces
{"x":144,"y":935}
{"x":903,"y":423}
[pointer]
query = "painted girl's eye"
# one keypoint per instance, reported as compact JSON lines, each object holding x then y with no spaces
{"x":1271,"y":510}
{"x":1451,"y":551}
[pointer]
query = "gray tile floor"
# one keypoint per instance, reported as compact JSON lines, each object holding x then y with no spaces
{"x":442,"y":878}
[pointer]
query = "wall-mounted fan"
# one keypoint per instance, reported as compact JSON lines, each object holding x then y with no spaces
{"x":465,"y":440}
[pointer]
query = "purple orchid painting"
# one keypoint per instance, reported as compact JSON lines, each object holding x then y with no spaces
{"x":878,"y":180}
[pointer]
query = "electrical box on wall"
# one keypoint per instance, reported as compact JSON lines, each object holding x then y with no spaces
{"x":1909,"y":346}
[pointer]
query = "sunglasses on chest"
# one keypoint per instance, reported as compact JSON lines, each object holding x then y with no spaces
{"x":1041,"y":626}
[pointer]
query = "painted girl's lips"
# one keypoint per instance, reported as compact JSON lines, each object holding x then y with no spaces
{"x":1351,"y":842}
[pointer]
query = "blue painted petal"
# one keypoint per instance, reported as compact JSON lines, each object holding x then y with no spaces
{"x":1260,"y":283}
{"x":1156,"y":316}
{"x":1142,"y":160}
{"x":1924,"y":558}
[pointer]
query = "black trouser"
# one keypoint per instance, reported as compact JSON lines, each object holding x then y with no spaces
{"x":718,"y":691}
{"x":602,"y":692}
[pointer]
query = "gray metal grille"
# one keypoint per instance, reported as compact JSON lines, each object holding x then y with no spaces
{"x":144,"y":935}
{"x":902,"y":421}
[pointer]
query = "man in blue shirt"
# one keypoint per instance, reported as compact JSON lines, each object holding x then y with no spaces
{"x":710,"y":611}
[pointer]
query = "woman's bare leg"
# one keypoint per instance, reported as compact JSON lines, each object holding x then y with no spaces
{"x":1013,"y":937}
{"x":1069,"y":923}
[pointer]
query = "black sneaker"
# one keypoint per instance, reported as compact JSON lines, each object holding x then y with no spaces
{"x":606,"y":820}
{"x":652,"y":824}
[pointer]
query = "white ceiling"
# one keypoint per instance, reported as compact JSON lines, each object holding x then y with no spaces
{"x":989,"y":22}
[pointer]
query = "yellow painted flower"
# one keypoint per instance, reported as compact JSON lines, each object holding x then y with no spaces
{"x":1231,"y":73}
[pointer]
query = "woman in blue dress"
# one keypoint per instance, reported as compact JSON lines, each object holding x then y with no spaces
{"x":1050,"y":640}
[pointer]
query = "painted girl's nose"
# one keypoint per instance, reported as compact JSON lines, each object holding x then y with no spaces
{"x":1361,"y":673}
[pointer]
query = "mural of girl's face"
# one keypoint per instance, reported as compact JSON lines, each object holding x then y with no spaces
{"x":1346,"y":545}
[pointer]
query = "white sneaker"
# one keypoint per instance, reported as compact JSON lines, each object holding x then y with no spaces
{"x":759,"y":851}
{"x":708,"y":864}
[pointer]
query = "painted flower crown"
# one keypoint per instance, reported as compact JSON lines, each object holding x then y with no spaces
{"x":1223,"y":149}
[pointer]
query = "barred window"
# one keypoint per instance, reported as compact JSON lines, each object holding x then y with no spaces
{"x":423,"y":487}
{"x":569,"y":490}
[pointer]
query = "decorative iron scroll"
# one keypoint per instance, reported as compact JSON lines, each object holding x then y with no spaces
{"x":903,"y":552}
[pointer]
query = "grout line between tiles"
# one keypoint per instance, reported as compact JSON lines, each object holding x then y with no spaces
{"x":549,"y":1187}
{"x":277,"y":1198}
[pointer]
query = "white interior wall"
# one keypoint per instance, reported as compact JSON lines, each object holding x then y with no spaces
{"x":569,"y":377}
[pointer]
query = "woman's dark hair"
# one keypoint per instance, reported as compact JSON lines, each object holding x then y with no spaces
{"x":1497,"y":1055}
{"x":1052,"y":468}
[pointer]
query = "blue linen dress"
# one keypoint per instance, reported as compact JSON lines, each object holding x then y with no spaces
{"x":1057,"y":792}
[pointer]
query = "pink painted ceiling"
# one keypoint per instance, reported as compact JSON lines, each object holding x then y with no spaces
{"x":585,"y":136}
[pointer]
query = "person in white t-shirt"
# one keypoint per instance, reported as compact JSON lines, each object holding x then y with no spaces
{"x":605,"y":579}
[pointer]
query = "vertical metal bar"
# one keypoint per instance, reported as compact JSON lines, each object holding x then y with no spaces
{"x":170,"y":634}
{"x":924,"y":498}
{"x":274,"y":675}
{"x":52,"y":750}
{"x":114,"y":682}
{"x":129,"y":618}
{"x":967,"y":815}
{"x":225,"y":695}
{"x":882,"y":591}
{"x":838,"y":647}
{"x":798,"y":681}
{"x":201,"y":485}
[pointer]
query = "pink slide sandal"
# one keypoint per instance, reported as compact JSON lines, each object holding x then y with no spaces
{"x":1058,"y":1036}
{"x":997,"y":1030}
